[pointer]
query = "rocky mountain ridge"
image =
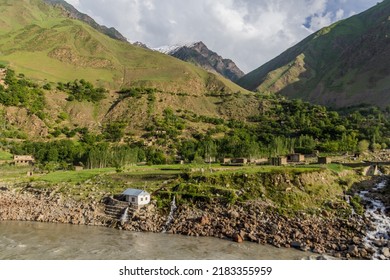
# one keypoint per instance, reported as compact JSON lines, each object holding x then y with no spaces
{"x":73,"y":13}
{"x":199,"y":54}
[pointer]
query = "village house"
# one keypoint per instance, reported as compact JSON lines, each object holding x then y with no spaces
{"x":136,"y":198}
{"x":24,"y":160}
{"x":258,"y":161}
{"x":278,"y":161}
{"x":210,"y":159}
{"x":226,"y":161}
{"x":324,"y":160}
{"x":78,"y":168}
{"x":295,"y":158}
{"x":239,"y":161}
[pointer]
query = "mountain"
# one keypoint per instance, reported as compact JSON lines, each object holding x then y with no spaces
{"x":198,"y":54}
{"x":39,"y":40}
{"x":61,"y":56}
{"x":72,"y":12}
{"x":345,"y":64}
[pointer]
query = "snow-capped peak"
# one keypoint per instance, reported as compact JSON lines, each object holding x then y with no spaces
{"x":173,"y":48}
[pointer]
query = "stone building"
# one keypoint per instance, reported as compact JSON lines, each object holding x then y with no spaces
{"x":278,"y":161}
{"x":24,"y":160}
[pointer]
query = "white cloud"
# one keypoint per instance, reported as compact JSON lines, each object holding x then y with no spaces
{"x":250,"y":32}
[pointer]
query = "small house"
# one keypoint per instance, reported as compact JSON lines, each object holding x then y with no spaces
{"x":278,"y":161}
{"x":136,"y":197}
{"x":179,"y":160}
{"x":78,"y":168}
{"x":24,"y":160}
{"x":226,"y":161}
{"x":324,"y":160}
{"x":239,"y":161}
{"x":295,"y":158}
{"x":210,"y":159}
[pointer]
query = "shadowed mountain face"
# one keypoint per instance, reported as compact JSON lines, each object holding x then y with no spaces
{"x":71,"y":12}
{"x":199,"y":54}
{"x":345,"y":64}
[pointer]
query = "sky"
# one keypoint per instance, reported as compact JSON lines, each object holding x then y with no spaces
{"x":250,"y":32}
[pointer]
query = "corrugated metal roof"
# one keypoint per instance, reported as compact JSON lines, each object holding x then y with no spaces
{"x":135,"y":192}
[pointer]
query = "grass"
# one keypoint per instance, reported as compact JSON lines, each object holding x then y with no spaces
{"x":10,"y":173}
{"x":5,"y":155}
{"x":74,"y":176}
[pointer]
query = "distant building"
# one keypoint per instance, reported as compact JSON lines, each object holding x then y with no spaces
{"x":239,"y":161}
{"x":210,"y":159}
{"x":179,"y":160}
{"x":278,"y":161}
{"x":78,"y":168}
{"x":24,"y":160}
{"x":324,"y":160}
{"x":258,"y":161}
{"x":295,"y":158}
{"x":226,"y":161}
{"x":136,"y":197}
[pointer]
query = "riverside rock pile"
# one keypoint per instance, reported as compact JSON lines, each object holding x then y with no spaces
{"x":30,"y":204}
{"x":256,"y":223}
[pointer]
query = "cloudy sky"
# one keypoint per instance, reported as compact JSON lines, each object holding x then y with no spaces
{"x":250,"y":32}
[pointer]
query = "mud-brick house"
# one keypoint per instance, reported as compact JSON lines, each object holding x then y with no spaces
{"x":324,"y":160}
{"x":23,"y":160}
{"x":136,"y":198}
{"x":295,"y":158}
{"x":239,"y":161}
{"x":278,"y":161}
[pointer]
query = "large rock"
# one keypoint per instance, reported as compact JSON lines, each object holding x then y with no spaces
{"x":237,"y":238}
{"x":386,"y":252}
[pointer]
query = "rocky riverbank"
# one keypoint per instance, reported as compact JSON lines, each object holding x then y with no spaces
{"x":30,"y":204}
{"x":259,"y":223}
{"x":253,"y":221}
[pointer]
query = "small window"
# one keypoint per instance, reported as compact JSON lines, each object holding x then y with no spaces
{"x":142,"y":199}
{"x":132,"y":199}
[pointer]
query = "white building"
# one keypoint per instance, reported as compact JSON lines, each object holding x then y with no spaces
{"x":137,"y":197}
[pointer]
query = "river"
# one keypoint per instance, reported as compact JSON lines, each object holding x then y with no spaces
{"x":44,"y":241}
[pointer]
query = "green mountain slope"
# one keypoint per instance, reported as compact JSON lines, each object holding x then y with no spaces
{"x":72,"y":12}
{"x":39,"y":41}
{"x":344,"y":64}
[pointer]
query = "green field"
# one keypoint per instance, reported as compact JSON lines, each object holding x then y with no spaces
{"x":73,"y":176}
{"x":5,"y":155}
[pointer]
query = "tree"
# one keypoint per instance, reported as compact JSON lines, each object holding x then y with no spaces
{"x":363,"y":146}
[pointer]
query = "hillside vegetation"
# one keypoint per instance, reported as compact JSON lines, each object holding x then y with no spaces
{"x":341,"y":65}
{"x":70,"y":95}
{"x":73,"y":123}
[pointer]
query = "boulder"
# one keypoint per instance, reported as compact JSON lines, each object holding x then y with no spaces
{"x":296,"y":244}
{"x":386,"y":252}
{"x":356,"y":240}
{"x":237,"y":238}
